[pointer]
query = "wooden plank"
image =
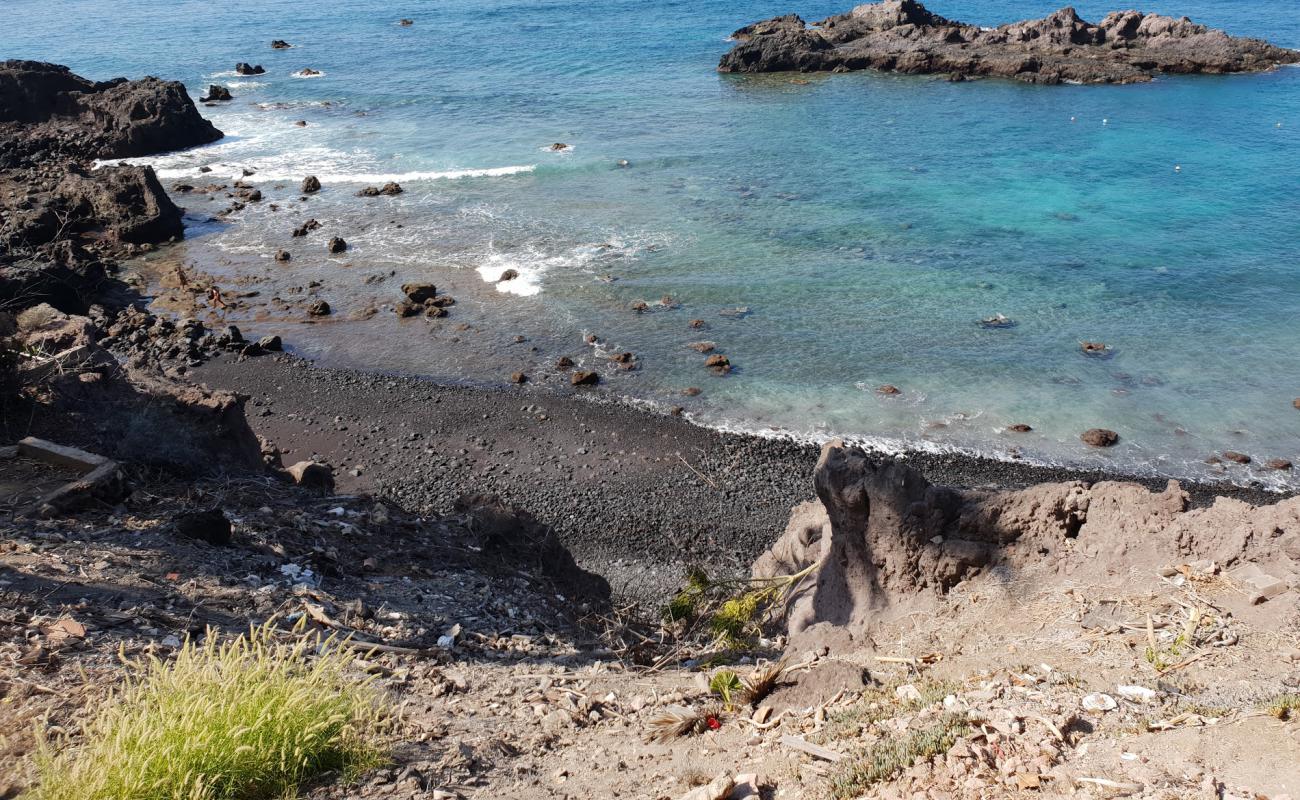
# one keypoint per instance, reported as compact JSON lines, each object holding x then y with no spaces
{"x":816,"y":751}
{"x":60,"y":455}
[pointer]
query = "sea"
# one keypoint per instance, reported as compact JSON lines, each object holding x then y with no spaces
{"x":835,"y":233}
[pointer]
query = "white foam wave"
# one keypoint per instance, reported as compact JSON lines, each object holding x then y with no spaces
{"x":528,"y":269}
{"x":265,"y":176}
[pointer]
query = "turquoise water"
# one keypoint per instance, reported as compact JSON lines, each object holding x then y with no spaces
{"x":867,"y":221}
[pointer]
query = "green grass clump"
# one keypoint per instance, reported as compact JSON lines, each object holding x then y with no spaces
{"x":878,"y":703}
{"x":247,"y":719}
{"x":1285,"y":707}
{"x":893,"y":755}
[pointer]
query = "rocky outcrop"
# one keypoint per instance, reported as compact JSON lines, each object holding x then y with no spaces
{"x":881,"y":536}
{"x":903,"y":36}
{"x":127,"y":204}
{"x":46,"y":111}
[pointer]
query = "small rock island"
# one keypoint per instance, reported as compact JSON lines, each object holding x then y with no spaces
{"x":902,"y":36}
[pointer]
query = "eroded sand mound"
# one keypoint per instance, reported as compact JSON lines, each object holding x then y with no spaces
{"x":886,"y":540}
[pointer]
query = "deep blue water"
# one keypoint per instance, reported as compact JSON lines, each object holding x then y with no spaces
{"x":868,"y":221}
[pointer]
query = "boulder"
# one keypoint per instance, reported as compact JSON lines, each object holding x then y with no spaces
{"x":312,"y":475}
{"x":280,"y":44}
{"x":563,"y":362}
{"x":1278,"y":464}
{"x":717,"y":361}
{"x":319,"y":308}
{"x":310,"y":185}
{"x":283,"y":256}
{"x":1019,"y":427}
{"x":518,"y":377}
{"x":584,"y":378}
{"x":127,"y":204}
{"x":270,"y":343}
{"x":1099,"y":437}
{"x":210,"y":526}
{"x":243,"y":68}
{"x":216,"y":94}
{"x":336,"y":245}
{"x":419,"y":292}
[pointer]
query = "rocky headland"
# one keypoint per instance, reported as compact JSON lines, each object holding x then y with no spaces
{"x":903,"y":36}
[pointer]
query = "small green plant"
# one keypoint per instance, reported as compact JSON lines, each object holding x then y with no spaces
{"x":895,"y":754}
{"x":727,"y":686}
{"x":878,"y":703}
{"x":1285,"y":707}
{"x":250,"y":718}
{"x":734,"y":609}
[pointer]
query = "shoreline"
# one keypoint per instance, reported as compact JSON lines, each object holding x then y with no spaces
{"x":491,"y":334}
{"x":638,"y":497}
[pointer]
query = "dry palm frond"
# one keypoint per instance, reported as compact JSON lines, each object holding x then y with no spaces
{"x":674,"y":722}
{"x":762,"y":681}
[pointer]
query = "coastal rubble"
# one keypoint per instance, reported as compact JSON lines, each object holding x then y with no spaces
{"x":903,"y":36}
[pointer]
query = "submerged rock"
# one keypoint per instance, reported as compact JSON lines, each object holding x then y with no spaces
{"x":243,"y":68}
{"x":216,"y":94}
{"x":1099,"y":437}
{"x":389,"y":189}
{"x":280,"y":44}
{"x":419,"y":292}
{"x":903,"y":36}
{"x":306,"y":228}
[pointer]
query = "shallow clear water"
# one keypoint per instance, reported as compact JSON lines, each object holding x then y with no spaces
{"x":868,"y":221}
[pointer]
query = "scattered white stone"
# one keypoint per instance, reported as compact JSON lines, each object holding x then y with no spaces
{"x":1138,"y":694}
{"x":908,"y":693}
{"x":1098,"y":701}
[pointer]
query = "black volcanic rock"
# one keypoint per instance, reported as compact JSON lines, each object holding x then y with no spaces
{"x":902,"y":36}
{"x":47,"y":111}
{"x":127,"y":204}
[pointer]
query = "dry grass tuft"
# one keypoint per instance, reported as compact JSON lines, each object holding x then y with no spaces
{"x":762,"y":681}
{"x":673,"y":723}
{"x":246,"y":719}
